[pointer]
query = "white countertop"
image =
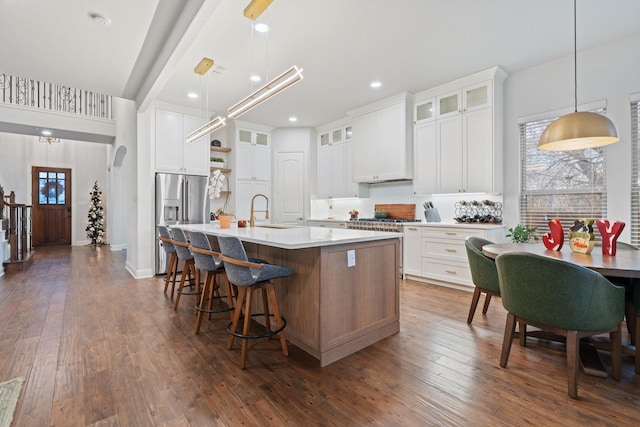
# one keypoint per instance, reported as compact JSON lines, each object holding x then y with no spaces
{"x":295,"y":237}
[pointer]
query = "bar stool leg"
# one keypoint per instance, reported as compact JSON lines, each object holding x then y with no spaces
{"x":245,"y":329}
{"x":278,"y":318}
{"x":171,"y":271}
{"x":186,"y":272}
{"x":242,"y":291}
{"x":203,"y":297}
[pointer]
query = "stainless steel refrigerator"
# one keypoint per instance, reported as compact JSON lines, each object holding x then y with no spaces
{"x":180,"y":199}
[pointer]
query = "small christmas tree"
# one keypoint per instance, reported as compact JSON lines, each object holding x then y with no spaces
{"x":95,"y":229}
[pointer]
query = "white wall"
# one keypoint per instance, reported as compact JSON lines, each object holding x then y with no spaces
{"x":608,"y":72}
{"x":121,"y":177}
{"x":87,"y":161}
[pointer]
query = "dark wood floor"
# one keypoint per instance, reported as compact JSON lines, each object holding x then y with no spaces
{"x":98,"y":348}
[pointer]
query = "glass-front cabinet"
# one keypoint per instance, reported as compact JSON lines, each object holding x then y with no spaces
{"x":477,"y":96}
{"x":424,"y":111}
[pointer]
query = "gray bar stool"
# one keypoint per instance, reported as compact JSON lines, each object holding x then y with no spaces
{"x":248,"y":277}
{"x":209,"y":262}
{"x":172,"y":259}
{"x":181,"y":244}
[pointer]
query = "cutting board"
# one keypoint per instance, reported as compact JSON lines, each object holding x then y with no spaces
{"x":398,"y":210}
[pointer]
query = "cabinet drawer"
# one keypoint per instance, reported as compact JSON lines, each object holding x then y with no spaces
{"x":448,"y":249}
{"x":452,"y":232}
{"x":445,"y":271}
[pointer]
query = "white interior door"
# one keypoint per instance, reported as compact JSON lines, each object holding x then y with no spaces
{"x":289,"y":188}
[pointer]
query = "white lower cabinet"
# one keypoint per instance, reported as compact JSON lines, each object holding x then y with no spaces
{"x":412,"y":250}
{"x":436,"y":254}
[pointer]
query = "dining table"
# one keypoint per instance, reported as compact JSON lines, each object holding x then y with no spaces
{"x":624,"y":264}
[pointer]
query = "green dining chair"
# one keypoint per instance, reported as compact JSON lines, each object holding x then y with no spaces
{"x":483,"y":274}
{"x":632,"y":302}
{"x":562,"y":298}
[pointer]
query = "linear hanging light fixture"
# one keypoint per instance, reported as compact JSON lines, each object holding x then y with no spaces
{"x":213,"y":125}
{"x":255,"y":8}
{"x":291,"y":76}
{"x":208,"y":128}
{"x":581,"y":129}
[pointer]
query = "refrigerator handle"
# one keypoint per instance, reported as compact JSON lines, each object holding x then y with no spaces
{"x":186,"y":216}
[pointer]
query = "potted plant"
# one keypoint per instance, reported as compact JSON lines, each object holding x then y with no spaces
{"x":354,"y":213}
{"x":217,"y":162}
{"x":522,"y":234}
{"x":215,"y":190}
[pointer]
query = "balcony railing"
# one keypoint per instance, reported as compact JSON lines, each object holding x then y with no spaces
{"x":31,"y":93}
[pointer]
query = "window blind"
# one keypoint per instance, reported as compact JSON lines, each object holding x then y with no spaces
{"x":566,"y":185}
{"x":635,"y":178}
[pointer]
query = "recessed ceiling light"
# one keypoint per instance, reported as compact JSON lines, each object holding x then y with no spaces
{"x":46,"y":132}
{"x":293,"y":119}
{"x":261,"y":27}
{"x":376,"y":84}
{"x":99,"y":19}
{"x":192,"y":95}
{"x":254,"y":78}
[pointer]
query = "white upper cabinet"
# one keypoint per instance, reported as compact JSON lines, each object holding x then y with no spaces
{"x":461,"y":151}
{"x":253,"y":155}
{"x":382,"y":140}
{"x":424,"y":111}
{"x":173,"y":153}
{"x":335,"y":161}
{"x":252,"y":169}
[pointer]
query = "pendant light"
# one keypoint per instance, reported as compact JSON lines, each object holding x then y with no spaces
{"x":578,"y":130}
{"x":213,"y":124}
{"x":288,"y":78}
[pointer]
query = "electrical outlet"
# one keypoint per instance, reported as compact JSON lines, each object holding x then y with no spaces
{"x":351,"y":258}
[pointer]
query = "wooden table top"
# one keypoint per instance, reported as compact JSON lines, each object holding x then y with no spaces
{"x":626,"y":262}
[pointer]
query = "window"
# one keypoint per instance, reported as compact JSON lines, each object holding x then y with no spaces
{"x":559,"y":184}
{"x":52,"y":188}
{"x":635,"y":178}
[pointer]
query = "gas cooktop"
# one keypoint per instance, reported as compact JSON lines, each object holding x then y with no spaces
{"x":385,"y":220}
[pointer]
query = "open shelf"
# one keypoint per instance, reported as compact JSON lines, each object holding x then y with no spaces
{"x":221,"y":149}
{"x":222,"y":170}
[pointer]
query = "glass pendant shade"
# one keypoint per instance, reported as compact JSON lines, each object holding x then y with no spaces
{"x":578,"y":131}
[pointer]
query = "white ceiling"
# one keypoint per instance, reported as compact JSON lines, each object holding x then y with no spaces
{"x":152,"y":46}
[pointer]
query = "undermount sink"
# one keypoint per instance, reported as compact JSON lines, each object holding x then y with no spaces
{"x":277,"y":226}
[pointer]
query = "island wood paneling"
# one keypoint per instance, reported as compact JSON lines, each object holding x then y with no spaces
{"x":333,"y":310}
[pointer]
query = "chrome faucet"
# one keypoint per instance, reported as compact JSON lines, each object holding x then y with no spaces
{"x":252,"y":219}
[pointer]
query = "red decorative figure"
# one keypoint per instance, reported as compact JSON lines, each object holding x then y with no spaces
{"x":610,"y":234}
{"x":555,"y":239}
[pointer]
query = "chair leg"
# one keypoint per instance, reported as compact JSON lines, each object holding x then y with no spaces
{"x":474,"y":304}
{"x":573,"y":347}
{"x":276,"y":314}
{"x":616,"y":352}
{"x":265,"y":306}
{"x":186,"y":273}
{"x":229,"y":295}
{"x":170,"y":272}
{"x":630,"y":316}
{"x":245,"y":329}
{"x":487,"y":300}
{"x":637,"y":345}
{"x":242,"y":291}
{"x":509,"y":330}
{"x":203,"y":297}
{"x":522,"y":328}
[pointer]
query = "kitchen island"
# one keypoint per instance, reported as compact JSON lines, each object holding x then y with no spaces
{"x":332,"y":308}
